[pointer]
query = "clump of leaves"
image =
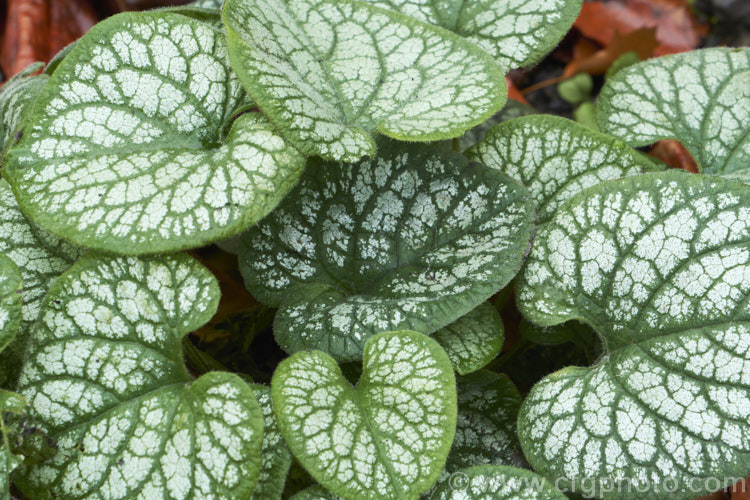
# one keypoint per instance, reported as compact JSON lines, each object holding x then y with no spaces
{"x":357,"y":159}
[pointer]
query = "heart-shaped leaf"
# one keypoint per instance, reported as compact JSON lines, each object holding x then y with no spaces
{"x":496,"y":482}
{"x":659,"y":265}
{"x":389,"y":438}
{"x":413,"y":239}
{"x":41,"y":257}
{"x":275,"y":455}
{"x":124,"y":149}
{"x":105,"y":377}
{"x":17,"y":98}
{"x":473,"y":340}
{"x":701,"y":98}
{"x":556,"y":158}
{"x":517,"y":33}
{"x":330,"y":73}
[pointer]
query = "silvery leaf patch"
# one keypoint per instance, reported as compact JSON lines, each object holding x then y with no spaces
{"x":497,"y":482}
{"x":473,"y":340}
{"x":701,"y":98}
{"x":555,"y":158}
{"x":517,"y":33}
{"x":386,"y":439}
{"x":331,"y":73}
{"x":413,"y":239}
{"x":105,"y":378}
{"x":125,"y":150}
{"x":659,"y":266}
{"x":17,"y":98}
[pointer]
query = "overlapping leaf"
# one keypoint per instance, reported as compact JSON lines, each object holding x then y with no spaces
{"x":556,"y":158}
{"x":659,"y":265}
{"x":41,"y":257}
{"x":701,"y":98}
{"x":124,"y":151}
{"x":17,"y":97}
{"x":10,"y":300}
{"x":412,"y":239}
{"x":275,"y":455}
{"x":389,"y":438}
{"x":488,"y":405}
{"x":473,"y":340}
{"x":517,"y":33}
{"x":496,"y":482}
{"x":9,"y":402}
{"x":330,"y":73}
{"x":105,"y":377}
{"x":10,"y":320}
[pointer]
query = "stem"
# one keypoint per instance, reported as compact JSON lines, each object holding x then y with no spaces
{"x":198,"y":360}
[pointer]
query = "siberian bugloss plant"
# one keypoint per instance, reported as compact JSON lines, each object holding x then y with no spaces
{"x":355,"y":157}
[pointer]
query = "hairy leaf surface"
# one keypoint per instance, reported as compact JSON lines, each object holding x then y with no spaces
{"x":497,"y":482}
{"x":701,"y":98}
{"x":413,"y":239}
{"x":125,"y":151}
{"x":473,"y":340}
{"x":330,"y":73}
{"x":389,"y":438}
{"x":555,"y":158}
{"x":105,"y":377}
{"x":659,"y":265}
{"x":517,"y":33}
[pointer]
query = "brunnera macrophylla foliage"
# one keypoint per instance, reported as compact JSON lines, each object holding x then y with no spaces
{"x":516,"y":33}
{"x":105,"y":377}
{"x":330,"y":74}
{"x":701,"y":98}
{"x":555,"y":158}
{"x":313,"y":133}
{"x":659,"y":266}
{"x":413,"y":239}
{"x":389,"y":437}
{"x":132,"y":147}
